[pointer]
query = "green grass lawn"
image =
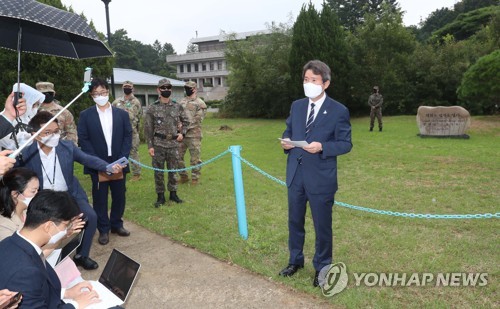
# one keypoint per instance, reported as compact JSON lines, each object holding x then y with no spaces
{"x":392,"y":170}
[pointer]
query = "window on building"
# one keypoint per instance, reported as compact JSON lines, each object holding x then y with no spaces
{"x":207,"y":82}
{"x":219,"y":65}
{"x":196,"y":67}
{"x":141,"y":98}
{"x":181,"y":68}
{"x":203,"y":66}
{"x":189,"y":67}
{"x":217,"y":81}
{"x":211,"y":66}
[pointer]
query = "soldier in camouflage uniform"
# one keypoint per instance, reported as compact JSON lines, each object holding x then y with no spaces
{"x":129,"y":103}
{"x":164,"y":127}
{"x":375,"y":101}
{"x":66,"y":120}
{"x":195,"y":110}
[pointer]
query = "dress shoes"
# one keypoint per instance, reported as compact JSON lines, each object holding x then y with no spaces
{"x":121,"y":231}
{"x":103,"y":238}
{"x":290,"y":270}
{"x":85,"y":262}
{"x":316,"y":280}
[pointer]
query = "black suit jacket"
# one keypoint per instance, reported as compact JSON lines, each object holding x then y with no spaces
{"x":22,"y":270}
{"x":92,"y":140}
{"x":332,"y":129}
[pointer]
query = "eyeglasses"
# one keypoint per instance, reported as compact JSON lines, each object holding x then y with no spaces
{"x":48,"y":132}
{"x":165,"y":87}
{"x":99,"y":94}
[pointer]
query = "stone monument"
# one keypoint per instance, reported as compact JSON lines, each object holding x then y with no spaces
{"x":443,"y":121}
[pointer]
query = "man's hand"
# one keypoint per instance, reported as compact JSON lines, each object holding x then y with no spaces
{"x":5,"y":297}
{"x":180,"y":137}
{"x":117,"y":168}
{"x":286,"y":145}
{"x":83,"y":294}
{"x":313,"y":147}
{"x":151,"y":151}
{"x":6,"y":163}
{"x":10,"y":110}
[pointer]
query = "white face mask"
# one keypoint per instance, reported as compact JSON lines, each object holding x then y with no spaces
{"x":51,"y":140}
{"x":312,"y":90}
{"x":60,"y":235}
{"x":26,"y":200}
{"x":101,"y":100}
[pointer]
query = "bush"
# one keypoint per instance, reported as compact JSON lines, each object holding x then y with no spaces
{"x":479,"y":91}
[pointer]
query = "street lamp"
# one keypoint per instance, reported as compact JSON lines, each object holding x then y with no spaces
{"x":106,"y":3}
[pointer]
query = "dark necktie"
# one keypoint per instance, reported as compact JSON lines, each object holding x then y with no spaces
{"x":310,"y":119}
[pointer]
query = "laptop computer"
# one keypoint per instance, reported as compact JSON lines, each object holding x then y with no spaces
{"x":116,"y":280}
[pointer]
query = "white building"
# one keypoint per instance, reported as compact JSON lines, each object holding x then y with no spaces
{"x":145,"y":85}
{"x":208,"y":67}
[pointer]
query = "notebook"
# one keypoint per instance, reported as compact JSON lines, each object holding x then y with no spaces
{"x":116,"y":280}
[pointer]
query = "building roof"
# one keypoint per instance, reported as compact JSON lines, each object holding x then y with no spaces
{"x":223,"y":36}
{"x":141,"y":78}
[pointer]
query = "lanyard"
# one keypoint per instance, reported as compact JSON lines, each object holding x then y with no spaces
{"x":53,"y":175}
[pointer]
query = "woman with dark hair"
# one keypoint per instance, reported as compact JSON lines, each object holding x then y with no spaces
{"x":17,"y":187}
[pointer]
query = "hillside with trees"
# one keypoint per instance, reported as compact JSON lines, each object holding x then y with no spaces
{"x":366,"y":44}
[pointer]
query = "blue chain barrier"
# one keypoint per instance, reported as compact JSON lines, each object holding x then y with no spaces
{"x":180,"y":169}
{"x":383,"y":212}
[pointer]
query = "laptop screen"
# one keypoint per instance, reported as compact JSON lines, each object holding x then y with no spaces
{"x":70,"y":247}
{"x":119,"y":274}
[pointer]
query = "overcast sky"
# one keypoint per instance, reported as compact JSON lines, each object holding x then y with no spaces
{"x":176,"y":22}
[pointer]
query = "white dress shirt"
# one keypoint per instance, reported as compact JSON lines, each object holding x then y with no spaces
{"x":52,"y":181}
{"x":106,"y":118}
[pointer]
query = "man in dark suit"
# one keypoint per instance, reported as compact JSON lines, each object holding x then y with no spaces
{"x":23,"y":266}
{"x":52,"y":160}
{"x":311,"y":174}
{"x":105,"y":132}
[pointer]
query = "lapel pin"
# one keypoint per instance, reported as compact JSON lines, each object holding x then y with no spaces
{"x":324,"y":113}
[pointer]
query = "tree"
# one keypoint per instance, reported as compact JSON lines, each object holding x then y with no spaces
{"x":192,"y":48}
{"x":380,"y":51}
{"x":319,"y":35}
{"x":132,"y":54}
{"x":479,"y":91}
{"x":259,"y":74}
{"x":467,"y":24}
{"x":351,"y":13}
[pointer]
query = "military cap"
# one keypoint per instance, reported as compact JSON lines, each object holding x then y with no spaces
{"x":190,"y":84}
{"x":164,"y":82}
{"x":128,"y":83}
{"x":45,"y":87}
{"x":375,"y":87}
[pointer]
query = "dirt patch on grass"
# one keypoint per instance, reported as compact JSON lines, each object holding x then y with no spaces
{"x":485,"y":123}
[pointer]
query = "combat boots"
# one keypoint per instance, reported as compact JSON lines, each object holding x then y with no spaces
{"x":194,"y":181}
{"x":174,"y":197}
{"x":184,"y":179}
{"x":161,"y":200}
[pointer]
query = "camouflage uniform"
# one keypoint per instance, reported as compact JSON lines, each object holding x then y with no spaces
{"x":134,"y":109}
{"x":375,"y":101}
{"x":161,"y":130}
{"x":65,"y":119}
{"x":195,"y":110}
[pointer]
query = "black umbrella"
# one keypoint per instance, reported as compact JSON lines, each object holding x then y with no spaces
{"x":30,"y":26}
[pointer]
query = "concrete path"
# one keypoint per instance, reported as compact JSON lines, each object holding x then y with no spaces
{"x":175,"y":276}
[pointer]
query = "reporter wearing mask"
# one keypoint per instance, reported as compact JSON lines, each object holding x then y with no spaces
{"x":17,"y":187}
